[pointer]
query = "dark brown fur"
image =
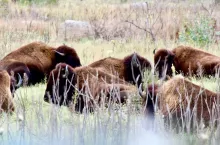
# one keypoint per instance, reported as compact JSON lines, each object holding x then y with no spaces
{"x":71,"y":57}
{"x":175,"y":95}
{"x":163,"y":60}
{"x":89,"y":81}
{"x":191,"y":61}
{"x":188,"y":60}
{"x":123,"y":67}
{"x":41,"y":59}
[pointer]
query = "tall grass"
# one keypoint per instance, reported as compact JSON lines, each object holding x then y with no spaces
{"x":37,"y":122}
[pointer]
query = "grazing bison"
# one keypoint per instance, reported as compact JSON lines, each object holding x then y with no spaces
{"x":186,"y":60}
{"x":129,"y":68}
{"x":6,"y":99}
{"x":85,"y":83}
{"x":182,"y":100}
{"x":39,"y":59}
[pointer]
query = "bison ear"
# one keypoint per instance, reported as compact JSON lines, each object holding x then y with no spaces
{"x":59,"y":53}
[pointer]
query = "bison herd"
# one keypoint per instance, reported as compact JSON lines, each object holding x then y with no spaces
{"x":112,"y":79}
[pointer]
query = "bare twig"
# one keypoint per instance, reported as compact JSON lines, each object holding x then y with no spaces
{"x":144,"y":29}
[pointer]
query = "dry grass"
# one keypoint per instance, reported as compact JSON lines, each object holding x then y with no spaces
{"x":160,"y":20}
{"x":113,"y":34}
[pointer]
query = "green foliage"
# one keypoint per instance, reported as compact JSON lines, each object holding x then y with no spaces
{"x":200,"y":32}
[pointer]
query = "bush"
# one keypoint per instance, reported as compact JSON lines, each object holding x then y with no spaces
{"x":200,"y":32}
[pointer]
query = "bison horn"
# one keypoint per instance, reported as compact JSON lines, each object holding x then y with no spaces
{"x":66,"y":70}
{"x":62,"y":54}
{"x":20,"y":81}
{"x":141,"y":93}
{"x":154,"y":51}
{"x":134,"y":56}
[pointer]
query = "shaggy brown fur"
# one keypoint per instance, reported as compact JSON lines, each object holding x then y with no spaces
{"x":41,"y":59}
{"x":63,"y":85}
{"x":189,"y":61}
{"x":178,"y":95}
{"x":192,"y":61}
{"x":6,"y":99}
{"x":124,"y":68}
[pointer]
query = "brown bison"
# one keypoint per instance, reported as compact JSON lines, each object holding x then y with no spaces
{"x":6,"y":99}
{"x":38,"y":59}
{"x":186,"y":60}
{"x":130,"y":68}
{"x":86,"y":84}
{"x":182,"y":100}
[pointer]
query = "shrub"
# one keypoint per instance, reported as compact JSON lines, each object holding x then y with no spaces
{"x":200,"y":32}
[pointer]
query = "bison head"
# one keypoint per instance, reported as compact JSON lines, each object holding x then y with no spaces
{"x":68,"y":55}
{"x":18,"y":72}
{"x":163,"y":60}
{"x":61,"y":85}
{"x":134,"y":67}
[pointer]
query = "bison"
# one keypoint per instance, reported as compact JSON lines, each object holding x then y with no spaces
{"x":181,"y":100}
{"x":85,"y":84}
{"x":186,"y":60}
{"x":130,"y":68}
{"x":38,"y":59}
{"x":6,"y":98}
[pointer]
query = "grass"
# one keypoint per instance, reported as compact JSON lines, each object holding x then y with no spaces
{"x":37,"y":122}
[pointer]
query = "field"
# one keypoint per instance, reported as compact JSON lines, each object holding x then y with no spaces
{"x":104,"y":28}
